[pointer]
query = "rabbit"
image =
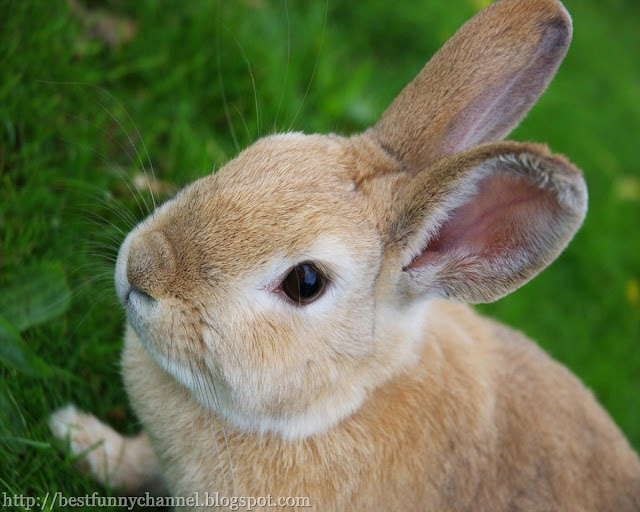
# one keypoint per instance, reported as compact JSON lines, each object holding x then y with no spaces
{"x":298,"y":322}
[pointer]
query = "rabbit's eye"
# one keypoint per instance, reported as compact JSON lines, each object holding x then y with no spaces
{"x":304,"y":284}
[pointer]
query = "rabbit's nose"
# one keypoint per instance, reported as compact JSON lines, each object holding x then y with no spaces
{"x":151,"y":263}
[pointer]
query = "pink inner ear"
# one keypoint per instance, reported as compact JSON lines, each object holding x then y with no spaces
{"x":498,"y":219}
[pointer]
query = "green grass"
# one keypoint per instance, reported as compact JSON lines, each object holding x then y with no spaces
{"x":61,"y":152}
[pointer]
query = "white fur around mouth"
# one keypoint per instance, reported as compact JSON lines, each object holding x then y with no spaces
{"x":123,"y":288}
{"x":138,"y":295}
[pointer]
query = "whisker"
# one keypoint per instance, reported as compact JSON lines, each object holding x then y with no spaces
{"x":110,"y":258}
{"x":105,"y":132}
{"x":144,"y":170}
{"x":226,"y":444}
{"x":99,"y":266}
{"x":253,"y":83}
{"x":82,"y":320}
{"x":51,"y":306}
{"x":211,"y":388}
{"x":221,"y":339}
{"x":97,"y":243}
{"x":92,"y":280}
{"x":286,"y":72}
{"x":221,"y":80}
{"x":205,"y":393}
{"x":120,"y":173}
{"x":93,"y":245}
{"x":100,"y":218}
{"x":111,"y":247}
{"x":110,"y":95}
{"x":315,"y":67}
{"x":122,"y":213}
{"x":244,"y":123}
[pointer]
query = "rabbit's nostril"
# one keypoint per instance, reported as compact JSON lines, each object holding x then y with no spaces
{"x":151,"y":263}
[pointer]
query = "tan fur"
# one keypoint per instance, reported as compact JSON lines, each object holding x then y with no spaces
{"x":520,"y":43}
{"x":484,"y":421}
{"x":378,"y":395}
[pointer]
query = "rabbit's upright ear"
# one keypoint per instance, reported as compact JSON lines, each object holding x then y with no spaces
{"x":474,"y":224}
{"x":477,"y":225}
{"x":479,"y":86}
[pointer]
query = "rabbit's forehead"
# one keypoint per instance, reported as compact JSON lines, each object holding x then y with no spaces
{"x":289,"y":161}
{"x":274,"y":201}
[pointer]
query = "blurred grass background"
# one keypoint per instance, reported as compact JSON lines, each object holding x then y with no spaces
{"x":185,"y":73}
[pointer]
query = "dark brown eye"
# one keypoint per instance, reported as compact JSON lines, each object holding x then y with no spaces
{"x":304,"y":283}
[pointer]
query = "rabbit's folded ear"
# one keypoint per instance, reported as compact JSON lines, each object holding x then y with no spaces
{"x":479,"y":224}
{"x":479,"y":86}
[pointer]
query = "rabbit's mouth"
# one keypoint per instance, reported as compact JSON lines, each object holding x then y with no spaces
{"x":133,"y":294}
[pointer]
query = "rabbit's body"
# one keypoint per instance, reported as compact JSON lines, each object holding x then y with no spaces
{"x":483,"y":420}
{"x":288,"y":335}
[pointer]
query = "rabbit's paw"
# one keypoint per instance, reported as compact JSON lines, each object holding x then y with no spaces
{"x":99,"y":447}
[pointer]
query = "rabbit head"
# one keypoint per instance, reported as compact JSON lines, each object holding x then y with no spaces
{"x":283,"y":288}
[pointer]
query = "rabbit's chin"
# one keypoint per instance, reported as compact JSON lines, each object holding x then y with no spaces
{"x":215,"y":395}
